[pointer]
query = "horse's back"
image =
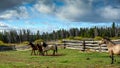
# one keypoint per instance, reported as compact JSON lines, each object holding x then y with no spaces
{"x":51,"y":47}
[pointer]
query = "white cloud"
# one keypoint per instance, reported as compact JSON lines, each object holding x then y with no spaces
{"x":23,"y":12}
{"x":43,"y":8}
{"x":8,"y":14}
{"x":20,"y":13}
{"x":2,"y":24}
{"x":6,"y":27}
{"x":73,"y":10}
{"x":109,"y":12}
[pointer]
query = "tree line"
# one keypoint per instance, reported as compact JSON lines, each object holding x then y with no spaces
{"x":14,"y":36}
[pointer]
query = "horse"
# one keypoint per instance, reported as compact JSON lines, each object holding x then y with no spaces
{"x":47,"y":47}
{"x":40,"y":49}
{"x":36,"y":47}
{"x":113,"y":49}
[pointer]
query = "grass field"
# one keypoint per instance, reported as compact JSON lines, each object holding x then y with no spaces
{"x":66,"y":58}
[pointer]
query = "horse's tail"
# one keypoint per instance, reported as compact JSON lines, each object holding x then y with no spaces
{"x":56,"y":49}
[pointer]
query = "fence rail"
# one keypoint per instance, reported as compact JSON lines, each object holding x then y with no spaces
{"x":84,"y":45}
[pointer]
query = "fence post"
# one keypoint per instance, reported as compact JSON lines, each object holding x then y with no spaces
{"x":64,"y":44}
{"x":100,"y":49}
{"x":84,"y":45}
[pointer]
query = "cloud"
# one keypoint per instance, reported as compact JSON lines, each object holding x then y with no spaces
{"x":20,"y":13}
{"x":14,"y":9}
{"x":3,"y":24}
{"x":12,"y":4}
{"x":82,"y":10}
{"x":110,"y":13}
{"x":71,"y":10}
{"x":43,"y":8}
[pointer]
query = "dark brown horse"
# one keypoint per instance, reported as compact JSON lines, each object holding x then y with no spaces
{"x":35,"y":48}
{"x":40,"y":50}
{"x":113,"y":49}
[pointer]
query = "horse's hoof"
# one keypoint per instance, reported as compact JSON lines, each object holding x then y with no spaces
{"x":111,"y":63}
{"x":115,"y":60}
{"x":88,"y":58}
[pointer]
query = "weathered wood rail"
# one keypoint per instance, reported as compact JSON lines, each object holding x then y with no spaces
{"x":6,"y":48}
{"x":88,"y":45}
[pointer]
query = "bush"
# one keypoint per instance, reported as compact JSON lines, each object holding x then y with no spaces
{"x":25,"y":42}
{"x":78,"y":38}
{"x":38,"y":41}
{"x":70,"y":38}
{"x":1,"y":42}
{"x":97,"y":38}
{"x":114,"y":38}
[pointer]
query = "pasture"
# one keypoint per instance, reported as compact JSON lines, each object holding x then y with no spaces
{"x":66,"y":58}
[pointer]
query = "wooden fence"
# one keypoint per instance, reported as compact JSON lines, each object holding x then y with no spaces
{"x":86,"y":45}
{"x":6,"y":48}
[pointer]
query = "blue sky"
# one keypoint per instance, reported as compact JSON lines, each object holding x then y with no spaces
{"x":49,"y":15}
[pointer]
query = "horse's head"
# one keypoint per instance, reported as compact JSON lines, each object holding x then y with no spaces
{"x":31,"y":44}
{"x":103,"y":41}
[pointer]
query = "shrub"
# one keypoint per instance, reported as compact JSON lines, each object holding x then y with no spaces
{"x":71,"y":38}
{"x":78,"y":38}
{"x":25,"y":42}
{"x":97,"y":38}
{"x":114,"y":38}
{"x":38,"y":41}
{"x":1,"y":42}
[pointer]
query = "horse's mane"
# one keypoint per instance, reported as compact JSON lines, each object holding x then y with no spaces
{"x":31,"y":44}
{"x":44,"y":44}
{"x":109,"y":40}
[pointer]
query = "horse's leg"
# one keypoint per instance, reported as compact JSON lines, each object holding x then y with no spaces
{"x":34,"y":52}
{"x":42,"y":53}
{"x":38,"y":52}
{"x":112,"y":57}
{"x":31,"y":52}
{"x":53,"y":52}
{"x":56,"y":49}
{"x":46,"y":53}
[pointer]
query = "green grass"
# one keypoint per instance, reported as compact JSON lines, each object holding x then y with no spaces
{"x":66,"y":58}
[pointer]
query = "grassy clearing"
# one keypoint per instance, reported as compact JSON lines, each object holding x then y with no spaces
{"x":66,"y":58}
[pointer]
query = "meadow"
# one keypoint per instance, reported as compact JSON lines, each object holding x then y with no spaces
{"x":66,"y":58}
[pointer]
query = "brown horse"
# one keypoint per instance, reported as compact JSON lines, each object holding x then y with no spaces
{"x":40,"y":49}
{"x":113,"y":49}
{"x":36,"y":48}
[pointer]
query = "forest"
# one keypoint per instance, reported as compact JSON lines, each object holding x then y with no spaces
{"x":15,"y":36}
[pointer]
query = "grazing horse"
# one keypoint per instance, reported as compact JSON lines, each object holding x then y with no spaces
{"x":36,"y":47}
{"x":113,"y":49}
{"x":47,"y":47}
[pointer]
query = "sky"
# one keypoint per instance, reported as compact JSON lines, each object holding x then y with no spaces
{"x":49,"y":15}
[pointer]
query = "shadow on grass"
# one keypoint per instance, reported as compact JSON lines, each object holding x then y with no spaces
{"x":55,"y":55}
{"x":106,"y":56}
